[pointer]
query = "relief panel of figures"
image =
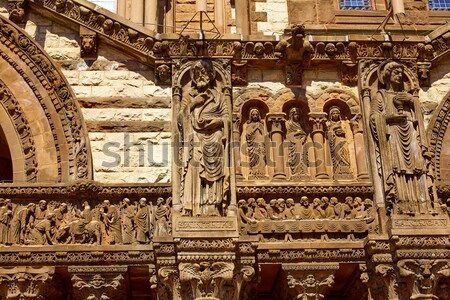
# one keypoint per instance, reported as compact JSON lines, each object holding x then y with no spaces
{"x":105,"y":223}
{"x":297,"y":141}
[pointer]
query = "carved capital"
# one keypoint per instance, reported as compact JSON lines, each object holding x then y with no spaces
{"x":318,"y":120}
{"x":310,"y":281}
{"x":239,"y":74}
{"x":98,"y":282}
{"x":244,"y":282}
{"x":423,"y":275}
{"x":388,"y":274}
{"x":168,"y":285}
{"x":24,"y":283}
{"x":206,"y":279}
{"x":355,"y":123}
{"x":276,"y":122}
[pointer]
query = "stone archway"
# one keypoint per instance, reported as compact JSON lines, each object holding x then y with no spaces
{"x":42,"y":123}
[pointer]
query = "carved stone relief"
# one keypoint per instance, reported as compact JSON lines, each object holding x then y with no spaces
{"x":98,"y":283}
{"x":203,"y":130}
{"x":401,"y":146}
{"x":54,"y":222}
{"x":24,"y":283}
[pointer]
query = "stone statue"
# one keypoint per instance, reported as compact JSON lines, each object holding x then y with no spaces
{"x":112,"y":222}
{"x":128,"y":212}
{"x":253,"y":139}
{"x":296,"y":138}
{"x":142,"y":219}
{"x":340,"y":155}
{"x":397,"y":128}
{"x":203,"y":121}
{"x":162,"y":217}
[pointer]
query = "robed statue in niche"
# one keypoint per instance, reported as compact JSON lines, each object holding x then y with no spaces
{"x":397,"y":129}
{"x":254,"y":141}
{"x":338,"y":141}
{"x":296,"y":139}
{"x":203,"y":122}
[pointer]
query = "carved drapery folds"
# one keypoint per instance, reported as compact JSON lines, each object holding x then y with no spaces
{"x":24,"y":283}
{"x":203,"y":156}
{"x":401,"y":149}
{"x":102,"y":223}
{"x":294,"y":140}
{"x":98,"y":283}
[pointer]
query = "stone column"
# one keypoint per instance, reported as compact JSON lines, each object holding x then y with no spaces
{"x":219,"y":15}
{"x":242,"y":17}
{"x":24,"y":283}
{"x":360,"y":153}
{"x":318,"y":119}
{"x":276,"y":123}
{"x":98,"y":282}
{"x":137,"y":11}
{"x":150,"y":14}
{"x":121,"y":8}
{"x":236,"y":142}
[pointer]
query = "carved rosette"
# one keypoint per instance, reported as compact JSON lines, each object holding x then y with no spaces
{"x":24,"y":283}
{"x":98,"y":282}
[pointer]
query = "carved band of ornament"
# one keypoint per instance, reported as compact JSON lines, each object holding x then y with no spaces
{"x":86,"y":189}
{"x":16,"y":115}
{"x":421,"y":223}
{"x":437,"y":135}
{"x":314,"y":256}
{"x":296,"y":226}
{"x":306,"y":190}
{"x":79,"y":257}
{"x":382,"y":258}
{"x":97,"y":269}
{"x":205,"y":244}
{"x":101,"y":23}
{"x":206,"y":257}
{"x":57,"y":90}
{"x":310,"y":267}
{"x":164,"y":261}
{"x":425,"y":253}
{"x":424,"y":242}
{"x":205,"y":225}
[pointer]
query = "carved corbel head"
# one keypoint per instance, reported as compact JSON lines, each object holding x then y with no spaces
{"x":88,"y":41}
{"x":17,"y":10}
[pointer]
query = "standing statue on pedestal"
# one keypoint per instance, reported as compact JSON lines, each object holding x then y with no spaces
{"x":203,"y":122}
{"x":254,"y":139}
{"x":340,"y":155}
{"x":397,"y":128}
{"x":296,"y":138}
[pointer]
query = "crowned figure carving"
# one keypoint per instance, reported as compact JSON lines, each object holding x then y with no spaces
{"x":397,"y":128}
{"x":204,"y":127}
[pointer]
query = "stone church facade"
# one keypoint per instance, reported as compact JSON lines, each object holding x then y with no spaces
{"x":289,"y":150}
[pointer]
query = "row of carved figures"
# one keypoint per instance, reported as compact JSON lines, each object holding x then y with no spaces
{"x":301,"y":144}
{"x":43,"y":223}
{"x":254,"y":210}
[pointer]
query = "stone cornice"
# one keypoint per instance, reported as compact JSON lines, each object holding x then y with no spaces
{"x":143,"y":44}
